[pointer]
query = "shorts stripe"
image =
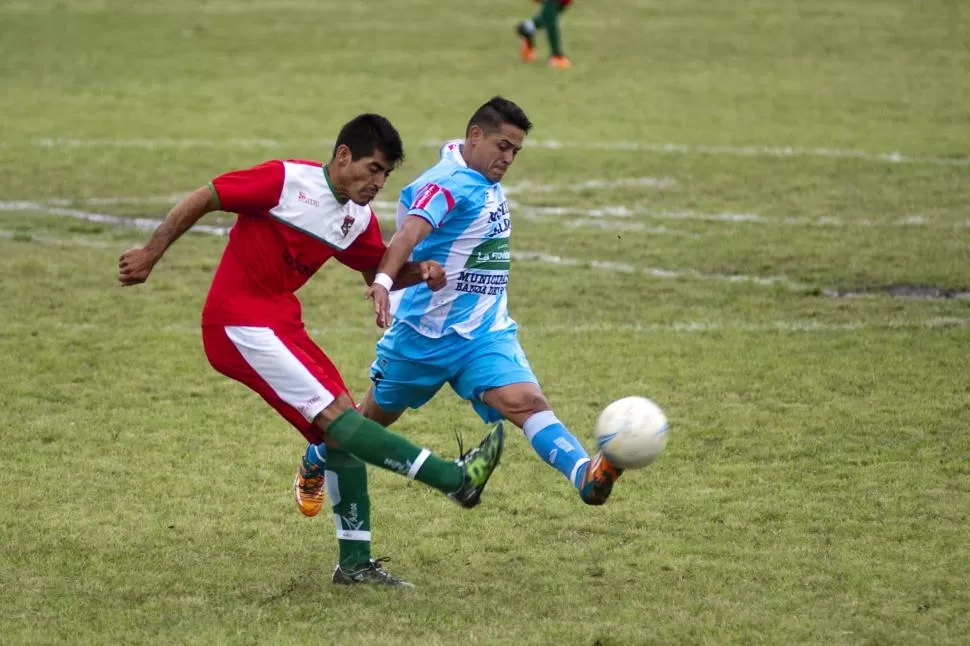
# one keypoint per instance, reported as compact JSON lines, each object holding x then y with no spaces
{"x":269,"y":357}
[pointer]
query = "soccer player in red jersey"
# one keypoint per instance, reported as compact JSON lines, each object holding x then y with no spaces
{"x":293,"y":216}
{"x":546,"y":18}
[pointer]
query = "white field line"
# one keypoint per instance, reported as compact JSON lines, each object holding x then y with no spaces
{"x":144,"y":224}
{"x":609,"y":225}
{"x":520,"y":256}
{"x":592,"y":184}
{"x":549,"y":144}
{"x":62,"y":242}
{"x":682,"y":327}
{"x":385,"y":211}
{"x":657,"y":272}
{"x":736,"y":218}
{"x":580,"y":217}
{"x":122,"y":200}
{"x":524,"y":256}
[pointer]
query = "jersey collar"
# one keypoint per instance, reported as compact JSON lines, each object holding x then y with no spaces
{"x":452,"y":151}
{"x":326,"y":174}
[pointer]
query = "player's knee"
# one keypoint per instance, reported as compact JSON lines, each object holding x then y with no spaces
{"x":524,"y":403}
{"x":334,"y":410}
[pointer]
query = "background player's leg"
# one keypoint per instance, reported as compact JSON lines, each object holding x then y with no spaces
{"x":550,"y":20}
{"x":527,"y":30}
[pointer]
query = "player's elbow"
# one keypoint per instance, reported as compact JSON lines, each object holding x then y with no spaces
{"x":205,"y":198}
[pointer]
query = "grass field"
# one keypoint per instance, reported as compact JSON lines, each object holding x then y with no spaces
{"x":755,"y":213}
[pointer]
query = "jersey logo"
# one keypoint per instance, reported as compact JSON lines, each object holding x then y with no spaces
{"x":306,"y":199}
{"x":348,"y":223}
{"x":428,"y":192}
{"x":491,"y":254}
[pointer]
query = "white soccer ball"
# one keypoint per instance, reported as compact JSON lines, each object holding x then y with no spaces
{"x":632,"y":432}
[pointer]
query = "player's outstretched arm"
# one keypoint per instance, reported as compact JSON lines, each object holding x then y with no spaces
{"x":412,"y":273}
{"x":136,"y":264}
{"x":412,"y":231}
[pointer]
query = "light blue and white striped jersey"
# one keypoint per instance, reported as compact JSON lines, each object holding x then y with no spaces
{"x":470,"y":238}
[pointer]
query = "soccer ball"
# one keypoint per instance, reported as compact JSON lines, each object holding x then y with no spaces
{"x":631,"y":432}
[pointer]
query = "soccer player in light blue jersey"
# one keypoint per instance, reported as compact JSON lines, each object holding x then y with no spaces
{"x":456,"y":213}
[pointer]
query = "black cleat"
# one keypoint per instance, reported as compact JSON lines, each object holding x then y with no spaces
{"x":372,"y":573}
{"x":478,"y":465}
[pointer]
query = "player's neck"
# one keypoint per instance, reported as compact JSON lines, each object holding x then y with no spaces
{"x":463,"y":150}
{"x":469,"y":165}
{"x":332,"y":182}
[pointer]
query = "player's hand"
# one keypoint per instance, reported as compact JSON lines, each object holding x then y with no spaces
{"x":134,"y":265}
{"x":433,"y":274}
{"x":382,"y":304}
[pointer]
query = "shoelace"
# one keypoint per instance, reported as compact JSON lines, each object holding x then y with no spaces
{"x":375,"y":565}
{"x":310,"y":484}
{"x":461,"y":445}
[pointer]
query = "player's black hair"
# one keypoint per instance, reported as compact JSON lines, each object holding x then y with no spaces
{"x":497,"y":111}
{"x":366,"y":133}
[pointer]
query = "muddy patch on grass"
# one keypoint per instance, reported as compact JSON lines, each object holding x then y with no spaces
{"x":911,"y":292}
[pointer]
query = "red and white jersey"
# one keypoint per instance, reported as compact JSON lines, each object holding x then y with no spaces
{"x":290,"y":223}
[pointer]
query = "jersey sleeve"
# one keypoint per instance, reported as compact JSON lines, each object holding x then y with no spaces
{"x":253,"y":190}
{"x":366,"y":251}
{"x":434,"y":202}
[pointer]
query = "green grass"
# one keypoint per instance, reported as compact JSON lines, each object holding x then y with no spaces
{"x":816,"y":483}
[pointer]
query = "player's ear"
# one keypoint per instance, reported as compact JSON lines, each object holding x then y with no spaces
{"x":475,"y":135}
{"x":342,"y":155}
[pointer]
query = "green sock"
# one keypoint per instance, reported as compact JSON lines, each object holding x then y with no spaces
{"x":369,"y":441}
{"x":550,"y":19}
{"x":347,"y":489}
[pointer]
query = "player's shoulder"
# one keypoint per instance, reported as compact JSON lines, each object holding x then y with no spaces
{"x":443,"y":176}
{"x":454,"y":176}
{"x":302,"y":162}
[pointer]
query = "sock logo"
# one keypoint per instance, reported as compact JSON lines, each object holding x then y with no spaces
{"x":398,"y":467}
{"x":552,"y":456}
{"x":352,"y":520}
{"x":564,"y":444}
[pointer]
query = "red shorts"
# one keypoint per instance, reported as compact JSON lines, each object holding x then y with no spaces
{"x":287,"y":369}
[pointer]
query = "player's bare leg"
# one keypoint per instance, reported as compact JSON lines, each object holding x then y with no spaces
{"x":524,"y":405}
{"x":370,"y":409}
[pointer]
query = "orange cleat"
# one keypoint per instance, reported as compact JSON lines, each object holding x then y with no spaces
{"x":527,"y":46}
{"x":597,"y":481}
{"x":560,"y":62}
{"x":308,"y":491}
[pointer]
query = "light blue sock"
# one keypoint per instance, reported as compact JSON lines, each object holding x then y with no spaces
{"x":556,"y":445}
{"x":315,"y":458}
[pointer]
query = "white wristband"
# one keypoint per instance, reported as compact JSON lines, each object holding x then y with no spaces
{"x":384,"y":281}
